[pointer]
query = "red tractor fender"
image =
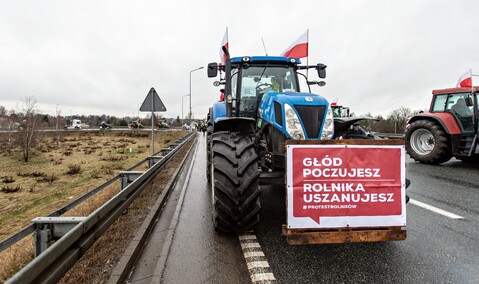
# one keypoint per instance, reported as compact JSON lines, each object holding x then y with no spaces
{"x":445,"y":119}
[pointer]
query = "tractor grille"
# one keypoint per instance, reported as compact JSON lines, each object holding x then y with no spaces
{"x":278,"y":113}
{"x":312,"y":118}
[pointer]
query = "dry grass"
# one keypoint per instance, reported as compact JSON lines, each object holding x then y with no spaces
{"x":98,"y":262}
{"x":44,"y":185}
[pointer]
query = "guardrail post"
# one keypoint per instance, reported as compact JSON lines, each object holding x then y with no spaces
{"x":152,"y":160}
{"x":165,"y":151}
{"x":50,"y":229}
{"x":127,"y":177}
{"x":42,"y":238}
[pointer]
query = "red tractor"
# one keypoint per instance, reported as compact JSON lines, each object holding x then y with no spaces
{"x":449,"y":129}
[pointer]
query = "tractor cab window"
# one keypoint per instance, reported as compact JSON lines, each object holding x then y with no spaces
{"x":256,"y":80}
{"x":234,"y":83}
{"x":457,"y":105}
{"x":439,"y":104}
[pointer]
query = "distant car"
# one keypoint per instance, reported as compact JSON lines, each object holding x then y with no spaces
{"x":162,"y":124}
{"x":136,"y":124}
{"x":185,"y":127}
{"x":104,"y":125}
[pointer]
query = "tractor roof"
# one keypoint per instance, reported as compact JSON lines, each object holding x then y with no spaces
{"x":454,"y":90}
{"x":269,"y":59}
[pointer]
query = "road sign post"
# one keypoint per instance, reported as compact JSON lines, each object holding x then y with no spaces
{"x":152,"y":103}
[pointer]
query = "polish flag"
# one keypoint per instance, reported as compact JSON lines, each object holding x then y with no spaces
{"x":299,"y":48}
{"x":224,"y":43}
{"x":465,"y":80}
{"x":334,"y":102}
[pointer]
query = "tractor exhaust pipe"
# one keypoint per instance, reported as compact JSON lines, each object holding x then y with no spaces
{"x":228,"y":95}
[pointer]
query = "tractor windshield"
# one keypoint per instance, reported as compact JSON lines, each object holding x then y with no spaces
{"x":261,"y":79}
{"x":457,"y":106}
{"x":267,"y":78}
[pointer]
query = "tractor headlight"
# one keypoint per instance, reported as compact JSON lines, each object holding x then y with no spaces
{"x":328,"y":127}
{"x":293,"y":126}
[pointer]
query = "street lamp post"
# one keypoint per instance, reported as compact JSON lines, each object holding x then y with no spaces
{"x":190,"y":88}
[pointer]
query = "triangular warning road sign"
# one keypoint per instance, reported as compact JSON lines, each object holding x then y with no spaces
{"x":152,"y":102}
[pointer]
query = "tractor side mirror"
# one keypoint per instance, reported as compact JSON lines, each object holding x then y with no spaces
{"x":468,"y":101}
{"x":321,"y":68}
{"x":212,"y":70}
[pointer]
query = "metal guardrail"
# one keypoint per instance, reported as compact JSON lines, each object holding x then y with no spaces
{"x":30,"y":229}
{"x":54,"y":262}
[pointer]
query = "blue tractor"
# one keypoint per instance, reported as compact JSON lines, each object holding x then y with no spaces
{"x":263,"y":107}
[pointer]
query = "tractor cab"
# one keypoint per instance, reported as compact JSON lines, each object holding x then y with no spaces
{"x":462,"y":105}
{"x":250,"y":81}
{"x":252,"y":77}
{"x":449,"y":129}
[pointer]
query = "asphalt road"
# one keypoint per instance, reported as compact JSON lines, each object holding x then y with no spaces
{"x":440,"y":247}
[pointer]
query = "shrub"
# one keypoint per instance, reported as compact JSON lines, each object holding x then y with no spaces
{"x":48,"y":178}
{"x":10,"y":189}
{"x":74,"y":169}
{"x":107,"y":170}
{"x":95,"y":174}
{"x":8,"y":179}
{"x":32,"y":174}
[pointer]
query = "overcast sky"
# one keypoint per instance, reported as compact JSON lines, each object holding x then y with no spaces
{"x":102,"y":57}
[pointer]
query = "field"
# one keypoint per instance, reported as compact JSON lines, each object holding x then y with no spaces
{"x":59,"y":171}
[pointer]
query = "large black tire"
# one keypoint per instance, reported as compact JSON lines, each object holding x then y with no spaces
{"x":208,"y":156}
{"x":209,"y":131}
{"x":235,"y":182}
{"x":427,"y":142}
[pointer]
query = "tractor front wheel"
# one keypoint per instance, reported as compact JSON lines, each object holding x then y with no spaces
{"x":235,"y":182}
{"x":427,"y":142}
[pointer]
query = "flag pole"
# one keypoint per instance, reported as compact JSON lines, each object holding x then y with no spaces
{"x":307,"y":51}
{"x":472,"y":82}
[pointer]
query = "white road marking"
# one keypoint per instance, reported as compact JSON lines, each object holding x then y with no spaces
{"x":262,"y":277}
{"x":253,"y":254}
{"x":258,"y":266}
{"x":250,"y":245}
{"x":435,"y":209}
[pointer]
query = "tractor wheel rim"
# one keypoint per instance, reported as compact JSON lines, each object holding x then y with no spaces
{"x":422,"y":141}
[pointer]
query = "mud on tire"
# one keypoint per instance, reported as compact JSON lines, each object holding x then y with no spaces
{"x":427,"y":142}
{"x":235,"y":184}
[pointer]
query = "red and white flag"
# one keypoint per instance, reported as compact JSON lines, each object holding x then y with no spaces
{"x":224,"y":43}
{"x":299,"y":48}
{"x":334,"y":102}
{"x":465,"y":80}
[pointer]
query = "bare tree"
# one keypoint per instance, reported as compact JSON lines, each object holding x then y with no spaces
{"x":399,"y":117}
{"x":28,"y":127}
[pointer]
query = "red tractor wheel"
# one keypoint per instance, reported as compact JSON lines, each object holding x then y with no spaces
{"x":427,"y":142}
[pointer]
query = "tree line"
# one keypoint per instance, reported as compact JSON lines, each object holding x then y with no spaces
{"x":21,"y":126}
{"x":394,"y":122}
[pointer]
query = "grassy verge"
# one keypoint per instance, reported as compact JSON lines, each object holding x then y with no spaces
{"x":58,"y":173}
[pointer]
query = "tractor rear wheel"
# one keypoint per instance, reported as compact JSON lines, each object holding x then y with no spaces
{"x":427,"y":142}
{"x":235,"y":182}
{"x":208,"y":157}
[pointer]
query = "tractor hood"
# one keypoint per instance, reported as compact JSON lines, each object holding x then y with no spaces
{"x":343,"y":124}
{"x":311,"y":111}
